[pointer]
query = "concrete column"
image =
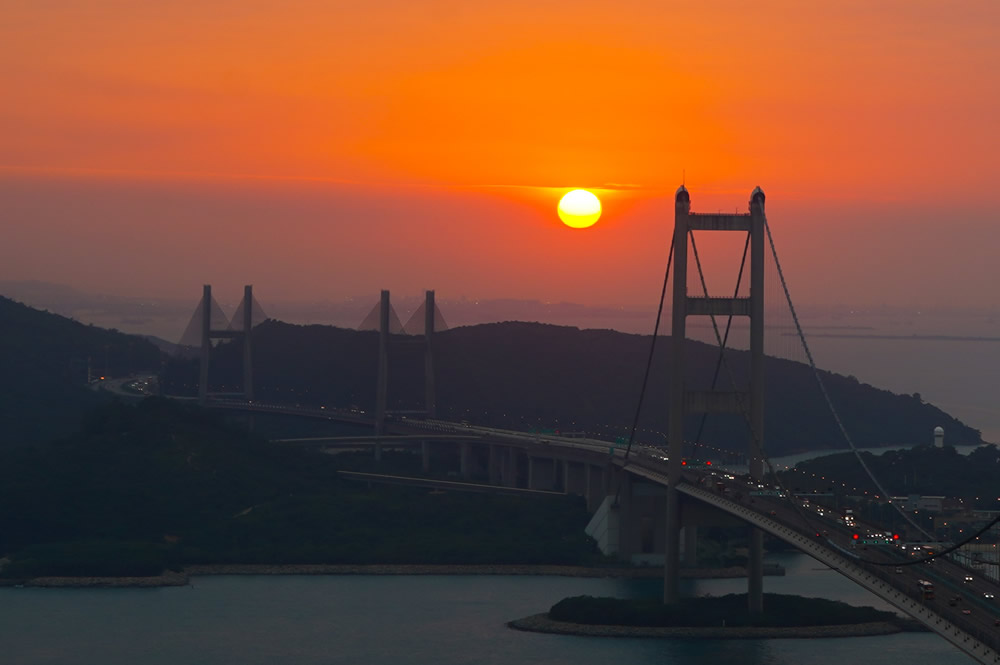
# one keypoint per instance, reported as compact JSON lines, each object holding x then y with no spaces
{"x":755,"y":571}
{"x":627,"y":542}
{"x":588,"y":479}
{"x":429,"y":398}
{"x":531,"y":472}
{"x":755,"y":563}
{"x":425,"y":456}
{"x":595,"y":487}
{"x":247,"y":347}
{"x":465,"y":460}
{"x":675,"y":443}
{"x":206,"y":342}
{"x":577,"y":479}
{"x":506,"y":467}
{"x":493,"y":465}
{"x":383,"y":372}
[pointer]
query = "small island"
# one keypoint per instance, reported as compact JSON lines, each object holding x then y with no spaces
{"x":713,"y":617}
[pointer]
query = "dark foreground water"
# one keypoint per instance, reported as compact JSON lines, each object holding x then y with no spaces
{"x":388,"y":620}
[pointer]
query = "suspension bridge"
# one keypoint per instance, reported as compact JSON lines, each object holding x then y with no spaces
{"x":646,"y":501}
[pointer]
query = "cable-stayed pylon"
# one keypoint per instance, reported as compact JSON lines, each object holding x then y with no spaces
{"x":212,"y":323}
{"x":388,"y":326}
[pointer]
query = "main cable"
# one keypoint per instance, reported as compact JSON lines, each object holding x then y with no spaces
{"x":649,"y":359}
{"x":826,"y":395}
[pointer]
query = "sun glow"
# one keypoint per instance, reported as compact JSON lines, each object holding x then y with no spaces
{"x":579,"y":209}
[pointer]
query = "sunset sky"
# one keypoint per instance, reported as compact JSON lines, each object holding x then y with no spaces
{"x":325,"y":149}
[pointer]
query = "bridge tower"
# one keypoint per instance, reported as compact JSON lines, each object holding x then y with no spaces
{"x":243,"y":318}
{"x":431,"y":314}
{"x":684,"y":402}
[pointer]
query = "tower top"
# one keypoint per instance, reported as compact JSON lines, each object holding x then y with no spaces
{"x":682,"y":195}
{"x":757,"y":192}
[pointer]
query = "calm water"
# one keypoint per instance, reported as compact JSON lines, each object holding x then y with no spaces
{"x":437,"y":620}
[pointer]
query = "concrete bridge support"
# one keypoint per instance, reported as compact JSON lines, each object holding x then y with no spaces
{"x":682,"y":401}
{"x":493,"y":465}
{"x":543,"y":473}
{"x":382,"y":382}
{"x":508,"y":467}
{"x":208,"y":334}
{"x":465,"y":461}
{"x":596,"y":487}
{"x":425,"y":456}
{"x":575,"y":478}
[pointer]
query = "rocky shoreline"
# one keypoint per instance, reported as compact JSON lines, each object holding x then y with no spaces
{"x":182,"y":578}
{"x":541,"y":623}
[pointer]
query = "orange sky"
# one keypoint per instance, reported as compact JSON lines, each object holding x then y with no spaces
{"x":413,"y":145}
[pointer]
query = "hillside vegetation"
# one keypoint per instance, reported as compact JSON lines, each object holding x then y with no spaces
{"x":43,"y":370}
{"x":162,"y":485}
{"x":526,"y":375}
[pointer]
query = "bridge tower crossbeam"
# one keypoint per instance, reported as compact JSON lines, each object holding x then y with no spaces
{"x":683,"y":402}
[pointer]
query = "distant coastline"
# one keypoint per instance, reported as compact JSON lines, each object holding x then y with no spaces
{"x":920,"y":338}
{"x":183,"y":578}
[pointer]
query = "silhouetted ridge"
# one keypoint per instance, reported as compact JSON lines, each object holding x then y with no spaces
{"x":43,"y":370}
{"x":524,"y":375}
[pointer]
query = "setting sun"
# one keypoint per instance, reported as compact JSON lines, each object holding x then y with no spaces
{"x":579,"y":209}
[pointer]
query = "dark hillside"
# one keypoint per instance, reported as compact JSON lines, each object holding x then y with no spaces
{"x":43,"y":370}
{"x":165,"y":484}
{"x":525,"y":375}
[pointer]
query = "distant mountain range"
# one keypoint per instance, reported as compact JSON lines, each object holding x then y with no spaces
{"x":537,"y":376}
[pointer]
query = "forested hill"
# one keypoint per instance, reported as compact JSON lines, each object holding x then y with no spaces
{"x":43,"y":370}
{"x":528,"y":375}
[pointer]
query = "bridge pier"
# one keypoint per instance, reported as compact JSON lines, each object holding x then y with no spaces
{"x":382,"y":380}
{"x":755,"y":571}
{"x":543,"y":473}
{"x":575,"y":478}
{"x":597,"y":487}
{"x":425,"y":456}
{"x":465,"y":460}
{"x":749,"y":401}
{"x":493,"y":465}
{"x":508,"y":467}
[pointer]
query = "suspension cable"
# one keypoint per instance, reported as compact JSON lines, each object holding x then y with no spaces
{"x":649,"y":359}
{"x":822,"y":387}
{"x":754,"y":434}
{"x":756,"y":437}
